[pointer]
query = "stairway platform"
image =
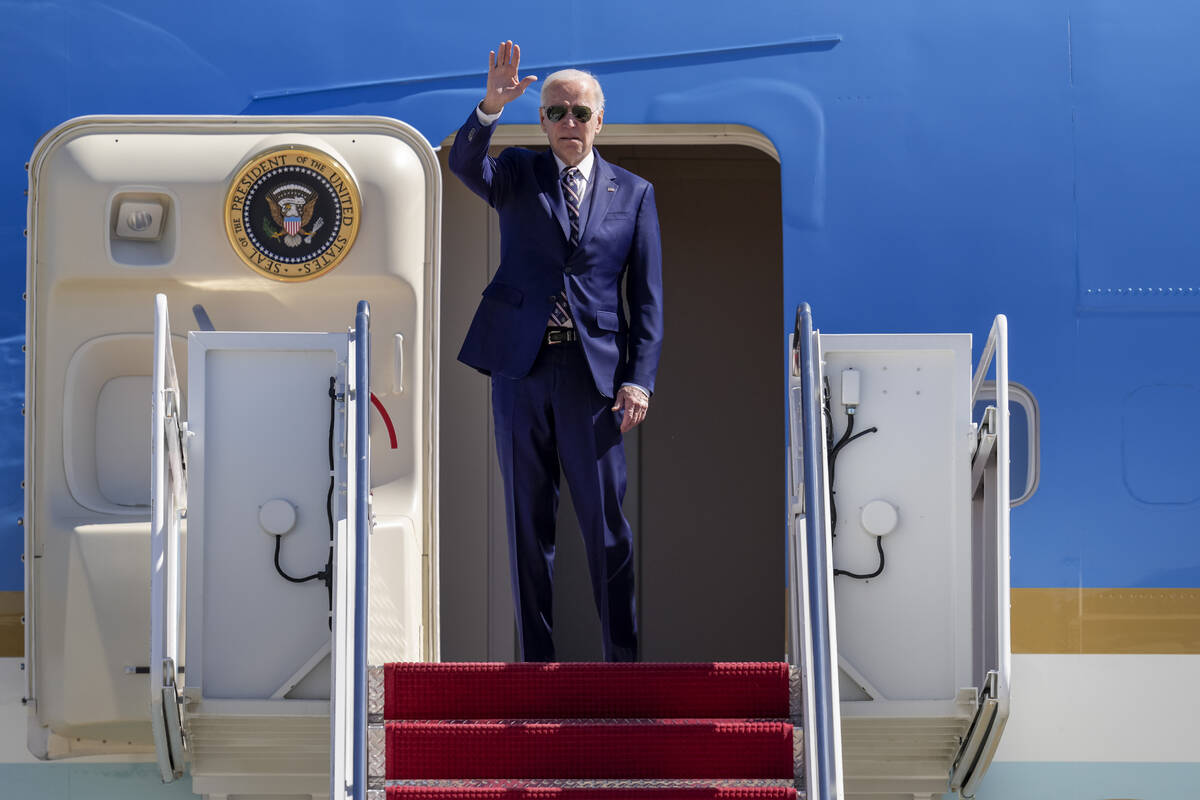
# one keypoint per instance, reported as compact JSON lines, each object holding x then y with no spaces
{"x":593,"y":749}
{"x":423,"y":691}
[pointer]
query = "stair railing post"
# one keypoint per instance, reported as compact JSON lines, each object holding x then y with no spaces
{"x":362,"y":530}
{"x":822,"y":736}
{"x":348,"y":694}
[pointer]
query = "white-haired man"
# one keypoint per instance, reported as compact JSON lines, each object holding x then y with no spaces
{"x":570,"y":374}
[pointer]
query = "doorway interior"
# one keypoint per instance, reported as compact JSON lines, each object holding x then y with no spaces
{"x":707,"y":475}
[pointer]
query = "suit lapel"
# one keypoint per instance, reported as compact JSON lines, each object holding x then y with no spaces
{"x":550,"y":191}
{"x":604,"y":188}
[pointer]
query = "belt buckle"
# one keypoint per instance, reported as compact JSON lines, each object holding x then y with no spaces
{"x":560,"y":335}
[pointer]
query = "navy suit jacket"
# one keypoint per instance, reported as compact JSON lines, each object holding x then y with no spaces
{"x":620,"y":242}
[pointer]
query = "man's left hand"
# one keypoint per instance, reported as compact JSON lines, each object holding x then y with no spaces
{"x":635,"y":403}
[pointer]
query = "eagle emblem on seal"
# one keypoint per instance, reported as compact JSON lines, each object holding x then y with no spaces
{"x":292,"y":207}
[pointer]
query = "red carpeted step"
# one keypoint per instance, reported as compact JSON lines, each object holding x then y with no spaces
{"x":552,"y":793}
{"x":601,"y":750}
{"x":585,"y":691}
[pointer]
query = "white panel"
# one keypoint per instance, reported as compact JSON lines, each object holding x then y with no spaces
{"x":905,"y":631}
{"x":95,"y":687}
{"x":263,"y":418}
{"x":123,"y":440}
{"x":1097,"y":708}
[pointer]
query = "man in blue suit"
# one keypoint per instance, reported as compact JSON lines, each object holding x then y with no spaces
{"x":570,"y":374}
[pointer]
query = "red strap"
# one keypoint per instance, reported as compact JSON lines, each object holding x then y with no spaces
{"x":386,"y":419}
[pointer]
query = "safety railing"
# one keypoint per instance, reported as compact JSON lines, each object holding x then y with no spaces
{"x":168,"y":501}
{"x":992,"y":500}
{"x":996,"y":350}
{"x":812,"y":638}
{"x":348,"y":717}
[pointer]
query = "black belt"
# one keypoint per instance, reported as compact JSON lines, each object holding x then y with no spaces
{"x":560,"y":336}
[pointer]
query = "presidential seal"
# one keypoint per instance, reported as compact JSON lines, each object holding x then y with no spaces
{"x":292,"y":214}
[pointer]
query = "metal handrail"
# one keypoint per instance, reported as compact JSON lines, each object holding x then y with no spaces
{"x":164,"y":642}
{"x":348,"y":718}
{"x":979,"y":747}
{"x":822,"y":750}
{"x":362,"y":530}
{"x":166,"y":564}
{"x":996,"y":349}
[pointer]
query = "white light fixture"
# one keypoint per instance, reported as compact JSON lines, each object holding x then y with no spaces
{"x":879,"y":517}
{"x":277,"y":516}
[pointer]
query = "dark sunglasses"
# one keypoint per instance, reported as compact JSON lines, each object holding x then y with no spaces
{"x":556,"y":113}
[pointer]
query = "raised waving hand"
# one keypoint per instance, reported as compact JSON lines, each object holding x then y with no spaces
{"x":503,"y":85}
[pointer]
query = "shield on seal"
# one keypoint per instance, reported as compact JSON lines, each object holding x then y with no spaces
{"x":291,"y":225}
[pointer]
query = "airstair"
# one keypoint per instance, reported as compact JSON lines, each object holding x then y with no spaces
{"x":284,"y":559}
{"x":587,"y":730}
{"x":919,"y":643}
{"x":415,"y":729}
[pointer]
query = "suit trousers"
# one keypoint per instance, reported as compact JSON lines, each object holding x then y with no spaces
{"x":552,"y":416}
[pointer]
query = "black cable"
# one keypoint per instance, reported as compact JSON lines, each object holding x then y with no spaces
{"x":828,"y":411}
{"x":842,"y":442}
{"x":329,"y":497}
{"x":284,"y":575}
{"x":325,"y":574}
{"x":861,"y":434}
{"x":848,"y":436}
{"x":833,"y":454}
{"x":875,"y":574}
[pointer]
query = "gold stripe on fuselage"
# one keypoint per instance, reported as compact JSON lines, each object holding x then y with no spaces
{"x":1162,"y":621}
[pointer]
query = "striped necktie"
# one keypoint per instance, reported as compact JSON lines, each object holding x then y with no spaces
{"x":571,"y":178}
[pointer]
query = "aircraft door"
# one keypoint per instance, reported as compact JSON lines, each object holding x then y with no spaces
{"x":270,"y":225}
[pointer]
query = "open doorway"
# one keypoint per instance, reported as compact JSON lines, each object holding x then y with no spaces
{"x":707,"y":486}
